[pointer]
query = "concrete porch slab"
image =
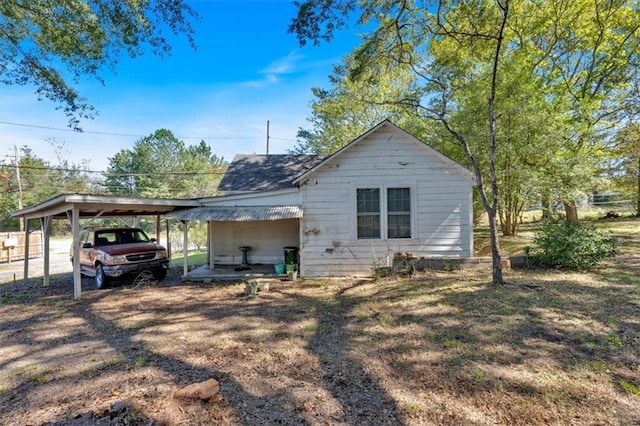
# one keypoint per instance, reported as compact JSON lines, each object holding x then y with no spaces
{"x":233,"y":273}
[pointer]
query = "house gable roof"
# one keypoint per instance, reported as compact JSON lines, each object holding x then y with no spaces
{"x":258,"y":173}
{"x":453,"y":164}
{"x":264,"y":173}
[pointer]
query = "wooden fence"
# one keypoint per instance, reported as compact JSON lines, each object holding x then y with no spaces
{"x":12,"y":245}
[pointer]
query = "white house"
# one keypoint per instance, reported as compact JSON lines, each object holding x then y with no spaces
{"x":384,"y":193}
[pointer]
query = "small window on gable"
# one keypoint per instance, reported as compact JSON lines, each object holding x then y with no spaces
{"x":368,"y":206}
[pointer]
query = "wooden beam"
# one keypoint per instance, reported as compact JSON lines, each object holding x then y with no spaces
{"x":210,"y":247}
{"x":185,"y":248}
{"x":169,"y":250}
{"x":77,"y":278}
{"x":45,"y":225}
{"x":25,"y":274}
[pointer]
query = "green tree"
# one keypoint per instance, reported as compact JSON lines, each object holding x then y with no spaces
{"x":352,"y":106}
{"x":29,"y":180}
{"x":207,"y":170}
{"x":161,"y":166}
{"x":624,"y":168}
{"x":521,"y":140}
{"x":8,"y":198}
{"x":51,"y":44}
{"x":579,"y":52}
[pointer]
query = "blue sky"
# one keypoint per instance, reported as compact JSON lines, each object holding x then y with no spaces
{"x":247,"y":70}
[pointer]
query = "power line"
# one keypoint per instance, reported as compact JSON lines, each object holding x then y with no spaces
{"x":131,"y":135}
{"x":60,"y":169}
{"x":34,"y":126}
{"x":116,"y":174}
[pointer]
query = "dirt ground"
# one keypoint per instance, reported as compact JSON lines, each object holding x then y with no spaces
{"x":555,"y":347}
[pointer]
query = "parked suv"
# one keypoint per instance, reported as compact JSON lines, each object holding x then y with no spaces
{"x":113,"y":252}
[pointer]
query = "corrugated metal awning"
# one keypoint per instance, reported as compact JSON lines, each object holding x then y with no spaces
{"x":238,"y":213}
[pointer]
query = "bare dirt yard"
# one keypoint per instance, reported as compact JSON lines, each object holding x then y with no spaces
{"x":442,"y":348}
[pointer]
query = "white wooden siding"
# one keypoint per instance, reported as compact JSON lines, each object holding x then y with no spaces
{"x":441,"y":206}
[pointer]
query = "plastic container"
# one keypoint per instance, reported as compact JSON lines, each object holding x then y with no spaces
{"x":291,"y":255}
{"x":279,"y":267}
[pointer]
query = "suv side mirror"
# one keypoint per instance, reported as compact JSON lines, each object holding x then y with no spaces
{"x":87,"y":245}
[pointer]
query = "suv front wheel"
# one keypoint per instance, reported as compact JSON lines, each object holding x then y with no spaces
{"x":159,"y":274}
{"x":101,"y":279}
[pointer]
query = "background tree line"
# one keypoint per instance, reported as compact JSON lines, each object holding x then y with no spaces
{"x":156,"y":166}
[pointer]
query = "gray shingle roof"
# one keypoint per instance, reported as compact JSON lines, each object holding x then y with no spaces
{"x":256,"y":173}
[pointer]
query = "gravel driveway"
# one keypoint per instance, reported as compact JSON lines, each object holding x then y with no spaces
{"x":58,"y":263}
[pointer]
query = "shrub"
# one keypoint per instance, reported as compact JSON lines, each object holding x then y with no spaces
{"x":560,"y":243}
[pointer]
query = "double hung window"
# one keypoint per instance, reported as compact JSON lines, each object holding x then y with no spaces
{"x":383,"y":214}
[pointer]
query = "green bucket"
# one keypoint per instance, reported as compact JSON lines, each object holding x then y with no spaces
{"x":279,"y":267}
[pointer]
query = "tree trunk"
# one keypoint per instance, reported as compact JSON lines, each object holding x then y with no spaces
{"x":638,"y":193}
{"x":546,"y":208}
{"x":571,"y":211}
{"x":491,"y":206}
{"x":493,"y":209}
{"x":496,"y":255}
{"x":510,"y":215}
{"x":20,"y":195}
{"x":506,"y":225}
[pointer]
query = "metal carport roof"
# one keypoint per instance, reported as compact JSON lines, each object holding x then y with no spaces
{"x":103,"y":205}
{"x":76,"y":206}
{"x":238,"y":213}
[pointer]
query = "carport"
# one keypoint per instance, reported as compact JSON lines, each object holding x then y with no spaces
{"x":73,"y":207}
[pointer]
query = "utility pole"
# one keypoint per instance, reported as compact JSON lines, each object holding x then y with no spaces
{"x":17,"y":164}
{"x":267,"y":137}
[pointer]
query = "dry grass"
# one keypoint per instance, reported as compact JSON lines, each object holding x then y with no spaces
{"x":553,"y":347}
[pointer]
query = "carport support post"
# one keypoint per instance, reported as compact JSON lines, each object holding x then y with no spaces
{"x":77,"y":279}
{"x":158,"y":228}
{"x":26,"y":249}
{"x":168,"y":246}
{"x":169,"y":250}
{"x":185,"y":248}
{"x":45,"y":225}
{"x":210,"y":247}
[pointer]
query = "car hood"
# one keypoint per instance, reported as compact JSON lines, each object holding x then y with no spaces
{"x":120,"y":249}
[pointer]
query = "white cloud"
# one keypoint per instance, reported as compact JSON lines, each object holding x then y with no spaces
{"x":285,"y":65}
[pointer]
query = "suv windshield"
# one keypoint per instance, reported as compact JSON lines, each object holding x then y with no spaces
{"x":121,"y":236}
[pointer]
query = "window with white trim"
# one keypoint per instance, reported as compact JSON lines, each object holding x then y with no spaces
{"x":368,"y":213}
{"x":383,"y":214}
{"x":398,"y":213}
